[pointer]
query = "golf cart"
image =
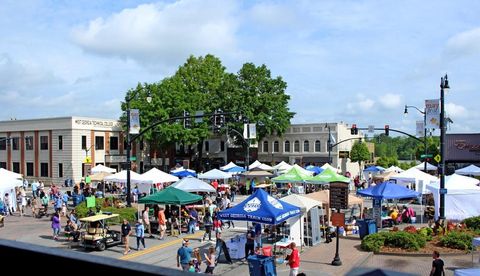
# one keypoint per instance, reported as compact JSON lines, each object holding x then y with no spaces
{"x":97,"y":235}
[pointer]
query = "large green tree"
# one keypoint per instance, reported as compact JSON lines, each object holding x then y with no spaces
{"x":359,"y":153}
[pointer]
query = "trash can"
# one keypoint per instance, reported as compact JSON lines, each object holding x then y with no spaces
{"x":260,"y":265}
{"x":362,"y":228}
{"x":372,"y":226}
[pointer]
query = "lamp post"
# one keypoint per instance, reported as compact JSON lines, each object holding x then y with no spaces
{"x":329,"y":144}
{"x":424,"y":131}
{"x":443,"y":87}
{"x":129,"y":162}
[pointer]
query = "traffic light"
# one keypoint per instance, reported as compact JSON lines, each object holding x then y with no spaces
{"x":387,"y":130}
{"x":187,"y":121}
{"x":354,"y":130}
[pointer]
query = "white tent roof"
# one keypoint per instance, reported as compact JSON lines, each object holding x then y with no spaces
{"x":470,"y":170}
{"x":122,"y":178}
{"x":301,"y":201}
{"x":394,"y":169}
{"x":158,"y":176}
{"x":228,"y":166}
{"x":192,"y":184}
{"x":430,"y":167}
{"x":461,"y":199}
{"x":260,"y":166}
{"x":326,"y":165}
{"x":414,"y":175}
{"x":214,"y":174}
{"x":101,"y":168}
{"x":10,"y":174}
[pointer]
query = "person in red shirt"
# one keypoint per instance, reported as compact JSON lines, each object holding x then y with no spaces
{"x":215,"y":184}
{"x":293,"y":260}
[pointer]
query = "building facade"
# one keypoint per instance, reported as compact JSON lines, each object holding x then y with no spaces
{"x":55,"y":149}
{"x":306,"y":144}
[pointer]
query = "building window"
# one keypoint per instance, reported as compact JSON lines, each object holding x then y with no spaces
{"x":296,"y":146}
{"x":60,"y":170}
{"x":317,"y":146}
{"x":3,"y":143}
{"x":222,"y":146}
{"x":60,"y":142}
{"x":207,"y":146}
{"x":29,"y":168}
{"x":15,"y":141}
{"x":113,"y":143}
{"x":265,"y":146}
{"x":276,"y":146}
{"x":3,"y":165}
{"x":287,"y":146}
{"x":84,"y":142}
{"x":16,"y":167}
{"x":99,"y":143}
{"x":306,"y":146}
{"x":44,"y":169}
{"x":44,"y":142}
{"x":29,"y":143}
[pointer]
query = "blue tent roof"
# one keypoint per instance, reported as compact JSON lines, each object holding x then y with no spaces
{"x":374,"y":169}
{"x":315,"y":169}
{"x":235,"y":169}
{"x":388,"y":190}
{"x":261,"y":207}
{"x":184,"y":173}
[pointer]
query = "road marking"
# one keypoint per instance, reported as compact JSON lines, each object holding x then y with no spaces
{"x":160,"y":246}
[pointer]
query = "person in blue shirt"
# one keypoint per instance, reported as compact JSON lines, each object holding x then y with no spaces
{"x":184,"y":255}
{"x":140,"y":233}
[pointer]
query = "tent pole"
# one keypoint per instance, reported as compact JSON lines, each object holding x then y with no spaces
{"x":180,"y":220}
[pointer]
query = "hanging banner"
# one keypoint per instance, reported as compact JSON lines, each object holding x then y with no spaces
{"x":134,"y":121}
{"x":432,"y":112}
{"x":252,"y":131}
{"x":420,"y":129}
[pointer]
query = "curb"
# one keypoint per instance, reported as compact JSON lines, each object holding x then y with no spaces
{"x":408,"y":254}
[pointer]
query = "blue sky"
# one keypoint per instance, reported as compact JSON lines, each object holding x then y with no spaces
{"x":352,"y":61}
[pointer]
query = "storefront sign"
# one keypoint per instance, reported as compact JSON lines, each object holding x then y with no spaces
{"x":462,"y":148}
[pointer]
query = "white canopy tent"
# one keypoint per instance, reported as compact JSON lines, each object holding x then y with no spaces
{"x":297,"y":223}
{"x":413,"y":178}
{"x":158,"y":176}
{"x":260,"y":166}
{"x":8,"y":182}
{"x":470,"y":170}
{"x":191,"y":184}
{"x":461,"y":199}
{"x":282,"y":167}
{"x":10,"y":174}
{"x":121,"y":177}
{"x":228,"y":166}
{"x":394,"y":169}
{"x":214,"y":174}
{"x":430,"y":167}
{"x":101,"y":168}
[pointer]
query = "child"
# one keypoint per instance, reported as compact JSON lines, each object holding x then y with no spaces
{"x":191,"y":267}
{"x":197,"y":260}
{"x":210,"y":260}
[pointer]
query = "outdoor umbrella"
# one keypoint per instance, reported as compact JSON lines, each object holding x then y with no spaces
{"x":388,"y":190}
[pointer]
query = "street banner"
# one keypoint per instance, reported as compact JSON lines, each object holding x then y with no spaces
{"x":134,"y":121}
{"x":420,"y":129}
{"x":432,"y":112}
{"x":252,"y":131}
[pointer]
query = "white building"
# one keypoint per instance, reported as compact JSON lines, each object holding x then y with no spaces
{"x":54,"y":149}
{"x":307,"y":144}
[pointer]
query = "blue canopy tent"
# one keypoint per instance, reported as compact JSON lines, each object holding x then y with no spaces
{"x":374,"y":169}
{"x":236,"y":169}
{"x":184,"y":173}
{"x":262,"y":208}
{"x":315,"y":169}
{"x":388,"y":190}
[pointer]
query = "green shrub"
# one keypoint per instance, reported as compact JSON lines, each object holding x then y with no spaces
{"x":473,"y":223}
{"x":124,"y":213}
{"x":373,"y":242}
{"x":427,"y":232}
{"x":457,"y":240}
{"x":405,"y":240}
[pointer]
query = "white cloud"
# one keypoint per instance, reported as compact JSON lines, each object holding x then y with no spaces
{"x":273,"y":15}
{"x":464,"y":44}
{"x":456,"y":111}
{"x":156,"y":34}
{"x":391,"y":100}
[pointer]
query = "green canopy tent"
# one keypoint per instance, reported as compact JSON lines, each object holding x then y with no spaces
{"x":172,"y":196}
{"x":328,"y":176}
{"x":294,"y":175}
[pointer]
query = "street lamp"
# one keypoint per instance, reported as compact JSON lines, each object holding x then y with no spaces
{"x":129,"y":162}
{"x":443,"y":87}
{"x":424,"y":133}
{"x":329,"y":144}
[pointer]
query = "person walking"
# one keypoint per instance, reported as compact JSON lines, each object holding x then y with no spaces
{"x":437,"y":265}
{"x":162,"y":222}
{"x":184,"y":255}
{"x":56,"y":225}
{"x":208,"y":223}
{"x":293,"y":260}
{"x":146,"y":220}
{"x":210,"y":257}
{"x":126,"y":231}
{"x":140,"y":233}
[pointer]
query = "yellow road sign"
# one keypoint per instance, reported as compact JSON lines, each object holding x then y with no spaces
{"x":87,"y":159}
{"x":437,"y":158}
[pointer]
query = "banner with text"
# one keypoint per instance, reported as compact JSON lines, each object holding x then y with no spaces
{"x":134,"y":121}
{"x":432,"y":112}
{"x":420,"y":129}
